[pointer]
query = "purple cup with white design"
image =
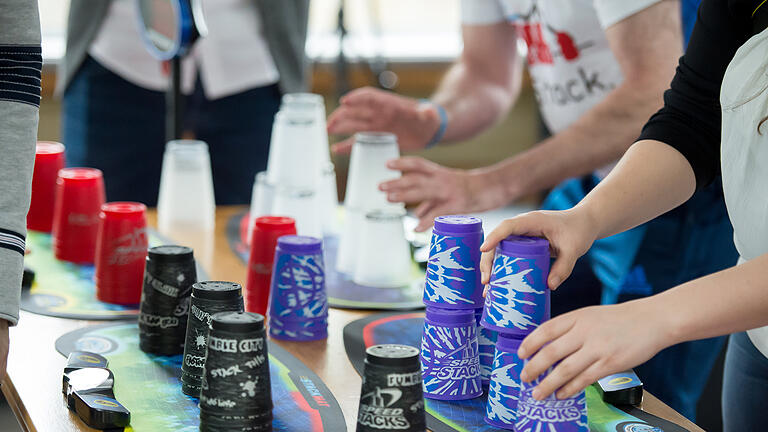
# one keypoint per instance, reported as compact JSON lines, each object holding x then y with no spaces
{"x":504,"y":388}
{"x":486,"y":343}
{"x":453,"y":267}
{"x":450,"y":362}
{"x":550,"y":414}
{"x":518,"y":298}
{"x":298,"y":308}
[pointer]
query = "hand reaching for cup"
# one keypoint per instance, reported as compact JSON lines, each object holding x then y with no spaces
{"x":372,"y":110}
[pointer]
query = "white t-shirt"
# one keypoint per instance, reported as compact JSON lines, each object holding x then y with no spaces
{"x":569,"y":59}
{"x":744,"y":155}
{"x":232,"y":58}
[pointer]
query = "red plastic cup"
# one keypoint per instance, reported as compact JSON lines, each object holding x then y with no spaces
{"x":79,"y":196}
{"x":121,"y":252}
{"x":49,"y":159}
{"x":266,"y":231}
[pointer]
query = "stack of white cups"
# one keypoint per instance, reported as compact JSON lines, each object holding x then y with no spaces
{"x":373,"y":249}
{"x":300,"y":181}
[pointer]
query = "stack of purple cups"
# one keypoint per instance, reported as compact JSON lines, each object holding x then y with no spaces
{"x":517,"y":302}
{"x":550,"y":414}
{"x":298,"y":309}
{"x":450,"y":354}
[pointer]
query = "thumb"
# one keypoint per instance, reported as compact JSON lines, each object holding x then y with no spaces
{"x":343,"y":147}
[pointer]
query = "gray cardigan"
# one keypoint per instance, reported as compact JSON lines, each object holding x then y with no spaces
{"x":285,"y":29}
{"x":20,"y":64}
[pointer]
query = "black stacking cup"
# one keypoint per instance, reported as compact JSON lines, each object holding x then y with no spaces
{"x":391,"y":397}
{"x":208,"y":298}
{"x":236,"y":392}
{"x":168,"y":278}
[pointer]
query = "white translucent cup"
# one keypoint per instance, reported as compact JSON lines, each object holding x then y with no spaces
{"x":383,"y":256}
{"x":294,"y":160}
{"x":368,"y":169}
{"x":262,"y":198}
{"x":329,"y":201}
{"x":346,"y":257}
{"x":186,"y":200}
{"x":315,"y":104}
{"x":303,"y":206}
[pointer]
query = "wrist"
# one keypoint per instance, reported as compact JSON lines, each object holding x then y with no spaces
{"x":434,"y":119}
{"x":487,"y":189}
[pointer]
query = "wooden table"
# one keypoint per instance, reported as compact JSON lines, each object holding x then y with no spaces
{"x":33,"y":385}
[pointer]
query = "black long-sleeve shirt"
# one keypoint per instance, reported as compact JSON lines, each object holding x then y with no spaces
{"x":690,"y":120}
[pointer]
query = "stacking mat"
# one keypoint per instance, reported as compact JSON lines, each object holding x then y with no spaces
{"x":66,"y":290}
{"x":468,"y":415}
{"x":150,"y":387}
{"x":342,"y":292}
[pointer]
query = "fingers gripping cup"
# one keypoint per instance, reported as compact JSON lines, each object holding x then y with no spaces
{"x":504,"y":386}
{"x":79,"y":197}
{"x":208,"y":298}
{"x":236,"y":392}
{"x":453,"y":267}
{"x":298,"y":304}
{"x":450,"y":363}
{"x":121,"y":251}
{"x":263,"y":243}
{"x":518,"y":299}
{"x":391,"y":397}
{"x":49,"y":159}
{"x":486,"y":343}
{"x":168,"y":278}
{"x":550,"y":414}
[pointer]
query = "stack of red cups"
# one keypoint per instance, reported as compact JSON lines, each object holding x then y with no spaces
{"x":49,"y":159}
{"x":266,"y":231}
{"x":79,"y":196}
{"x":121,"y":251}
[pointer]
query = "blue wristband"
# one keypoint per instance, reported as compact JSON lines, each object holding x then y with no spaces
{"x":443,"y":123}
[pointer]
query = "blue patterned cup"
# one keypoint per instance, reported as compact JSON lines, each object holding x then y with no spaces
{"x":298,"y":308}
{"x":504,"y":387}
{"x":453,"y":268}
{"x":518,"y":299}
{"x":550,"y":414}
{"x":486,"y":343}
{"x":450,"y":364}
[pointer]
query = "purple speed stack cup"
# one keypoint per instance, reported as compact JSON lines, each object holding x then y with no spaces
{"x":298,"y":308}
{"x":486,"y":343}
{"x":550,"y":414}
{"x":518,"y":299}
{"x":504,"y":388}
{"x":450,"y":364}
{"x":453,"y":268}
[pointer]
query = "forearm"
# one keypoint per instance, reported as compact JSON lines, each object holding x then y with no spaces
{"x":599,"y":137}
{"x":19,"y":101}
{"x":729,"y":301}
{"x":474,"y":102}
{"x":651,"y":179}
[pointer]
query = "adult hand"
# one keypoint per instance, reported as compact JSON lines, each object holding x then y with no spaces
{"x":570,"y":234}
{"x":374,"y":110}
{"x":440,"y":190}
{"x":4,"y":343}
{"x":591,"y":343}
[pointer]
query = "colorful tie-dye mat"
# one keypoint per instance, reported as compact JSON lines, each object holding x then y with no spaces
{"x":66,"y":290}
{"x":468,"y":415}
{"x":149,"y":386}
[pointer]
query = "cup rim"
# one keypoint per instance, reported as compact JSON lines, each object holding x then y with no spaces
{"x":49,"y":148}
{"x":80,"y":174}
{"x":123,"y":208}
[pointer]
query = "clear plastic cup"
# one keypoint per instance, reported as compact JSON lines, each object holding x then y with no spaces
{"x":186,"y":199}
{"x":314,"y":103}
{"x":262,"y":198}
{"x":384,"y":257}
{"x":346,"y":257}
{"x":303,"y":206}
{"x":293,"y":156}
{"x":368,"y":169}
{"x":329,"y":201}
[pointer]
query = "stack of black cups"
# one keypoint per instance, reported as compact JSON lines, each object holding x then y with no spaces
{"x":208,"y":298}
{"x":391,"y":397}
{"x":236,"y":392}
{"x":168,"y":278}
